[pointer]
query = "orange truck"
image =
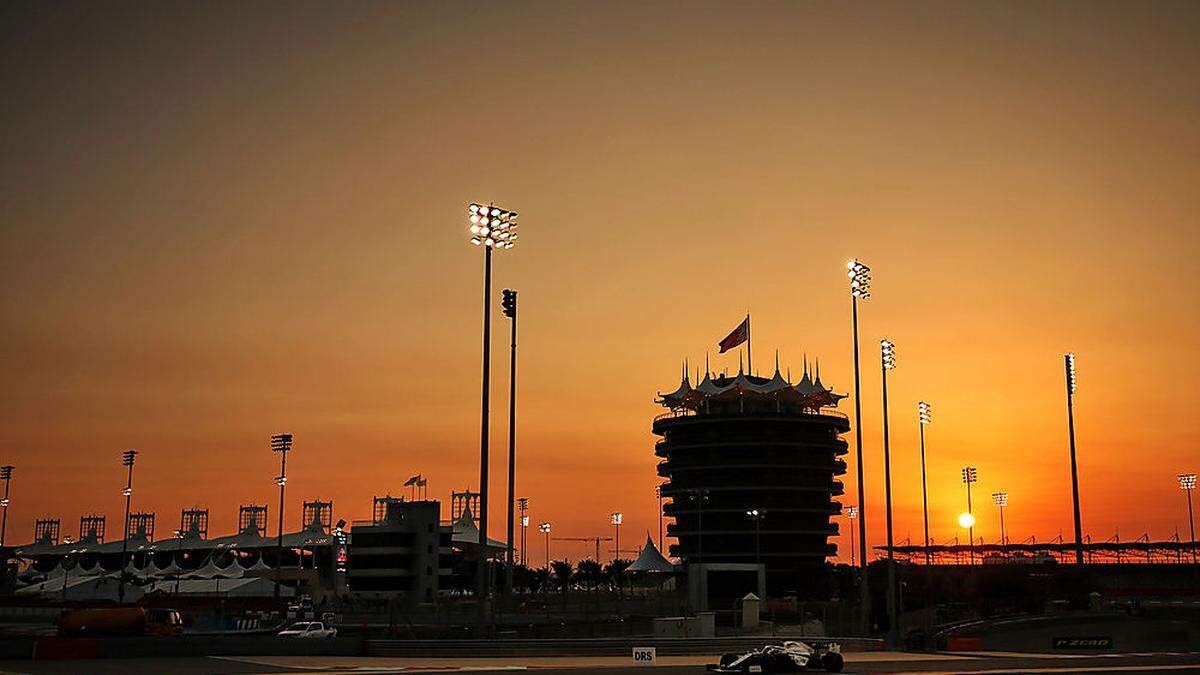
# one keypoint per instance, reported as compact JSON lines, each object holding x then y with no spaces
{"x":120,"y":621}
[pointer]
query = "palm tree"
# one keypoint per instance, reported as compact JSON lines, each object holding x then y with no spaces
{"x":539,"y":579}
{"x":589,"y":572}
{"x":562,"y":571}
{"x":614,"y":574}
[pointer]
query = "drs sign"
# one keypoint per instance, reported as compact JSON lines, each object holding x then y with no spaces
{"x":644,"y":656}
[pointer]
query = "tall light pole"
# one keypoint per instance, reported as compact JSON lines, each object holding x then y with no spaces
{"x":969,"y":475}
{"x":924,"y":418}
{"x":280,"y":443}
{"x":852,"y":514}
{"x":1187,"y":482}
{"x":523,"y":508}
{"x":1069,"y":366}
{"x":887,"y":361}
{"x":699,"y":496}
{"x":616,"y":519}
{"x":6,"y":476}
{"x":1000,"y":499}
{"x":127,"y":461}
{"x":544,"y":528}
{"x":658,"y":493}
{"x":491,"y":228}
{"x":509,"y":304}
{"x":757,"y":515}
{"x":860,"y":288}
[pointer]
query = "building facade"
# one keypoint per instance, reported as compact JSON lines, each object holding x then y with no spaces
{"x":402,"y":552}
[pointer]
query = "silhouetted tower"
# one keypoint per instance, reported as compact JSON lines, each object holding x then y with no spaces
{"x":736,"y":444}
{"x":464,"y":501}
{"x":252,"y":519}
{"x":47,"y":531}
{"x":193,"y":523}
{"x":318,"y":516}
{"x":91,"y":529}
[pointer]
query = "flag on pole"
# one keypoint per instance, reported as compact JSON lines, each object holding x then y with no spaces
{"x":737,"y":337}
{"x":412,"y":481}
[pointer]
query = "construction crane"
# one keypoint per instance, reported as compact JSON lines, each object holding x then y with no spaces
{"x":595,"y":540}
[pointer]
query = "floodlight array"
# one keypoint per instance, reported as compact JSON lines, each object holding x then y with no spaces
{"x":887,"y":350}
{"x":860,"y":279}
{"x":492,"y":226}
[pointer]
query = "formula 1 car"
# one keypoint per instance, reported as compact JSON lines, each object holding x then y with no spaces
{"x":790,"y":657}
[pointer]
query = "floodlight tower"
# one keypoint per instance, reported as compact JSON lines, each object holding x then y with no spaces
{"x":757,"y":515}
{"x":523,"y":508}
{"x":616,"y":519}
{"x":969,"y":475}
{"x":924,"y":418}
{"x":1187,"y":482}
{"x":658,"y":493}
{"x":544,"y":528}
{"x":126,"y":460}
{"x":852,"y":514}
{"x":1000,"y":499}
{"x":1069,"y":365}
{"x":491,"y":228}
{"x":887,"y":360}
{"x":281,"y":443}
{"x":509,"y":304}
{"x":860,"y":288}
{"x":6,"y":476}
{"x":699,"y":496}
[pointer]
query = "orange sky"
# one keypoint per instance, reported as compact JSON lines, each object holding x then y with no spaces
{"x":227,"y":221}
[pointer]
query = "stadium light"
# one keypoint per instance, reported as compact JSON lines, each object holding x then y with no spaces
{"x":6,"y":476}
{"x":508,"y":304}
{"x":851,"y":513}
{"x":1000,"y":499}
{"x":887,"y":360}
{"x":544,"y":528}
{"x":924,"y":418}
{"x":615,"y":519}
{"x":1187,"y":483}
{"x":757,"y":515}
{"x":970,"y":475}
{"x":281,"y":443}
{"x":1071,"y":383}
{"x":491,"y":228}
{"x":860,"y":289}
{"x":127,"y":459}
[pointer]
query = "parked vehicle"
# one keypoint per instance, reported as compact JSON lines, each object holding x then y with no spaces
{"x":308,"y":629}
{"x":120,"y":621}
{"x":790,"y":657}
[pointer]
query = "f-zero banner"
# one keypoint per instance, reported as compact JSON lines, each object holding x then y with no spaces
{"x":1097,"y":642}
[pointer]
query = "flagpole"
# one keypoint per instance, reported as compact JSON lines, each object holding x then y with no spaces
{"x":749,"y":361}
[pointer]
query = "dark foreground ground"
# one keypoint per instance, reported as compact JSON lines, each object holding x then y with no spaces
{"x":992,"y":663}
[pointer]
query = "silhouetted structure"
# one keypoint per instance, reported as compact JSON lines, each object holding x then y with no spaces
{"x":731,"y":445}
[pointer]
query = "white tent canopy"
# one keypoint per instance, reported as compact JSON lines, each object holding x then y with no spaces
{"x":650,"y":560}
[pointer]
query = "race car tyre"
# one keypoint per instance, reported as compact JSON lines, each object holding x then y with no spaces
{"x":727,"y":659}
{"x":833,"y":662}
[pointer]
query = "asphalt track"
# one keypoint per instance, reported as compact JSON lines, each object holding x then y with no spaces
{"x":989,"y":663}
